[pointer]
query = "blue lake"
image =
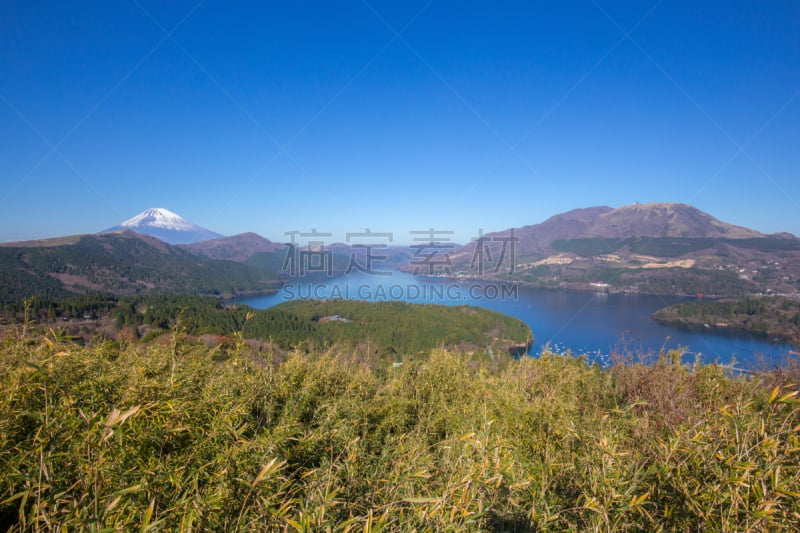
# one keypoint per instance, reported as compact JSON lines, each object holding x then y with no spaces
{"x":595,"y":324}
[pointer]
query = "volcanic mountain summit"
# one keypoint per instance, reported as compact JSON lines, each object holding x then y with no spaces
{"x":167,"y":226}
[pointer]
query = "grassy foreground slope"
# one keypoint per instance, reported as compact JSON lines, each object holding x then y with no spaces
{"x":161,"y":436}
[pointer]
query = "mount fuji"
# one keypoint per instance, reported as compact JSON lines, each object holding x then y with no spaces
{"x":167,"y":226}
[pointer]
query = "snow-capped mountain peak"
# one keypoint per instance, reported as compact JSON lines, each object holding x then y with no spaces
{"x":158,"y":217}
{"x":167,"y":226}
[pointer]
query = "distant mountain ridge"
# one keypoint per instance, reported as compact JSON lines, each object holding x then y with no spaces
{"x":654,"y":220}
{"x":660,"y":248}
{"x":120,"y":263}
{"x":167,"y":226}
{"x":664,"y":220}
{"x":664,"y":248}
{"x":234,"y":248}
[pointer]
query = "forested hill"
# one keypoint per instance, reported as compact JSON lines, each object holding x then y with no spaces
{"x":388,"y":329}
{"x":774,"y":317}
{"x":396,"y":327}
{"x":120,"y":264}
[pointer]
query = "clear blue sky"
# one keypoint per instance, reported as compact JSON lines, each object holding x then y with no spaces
{"x":397,"y":116}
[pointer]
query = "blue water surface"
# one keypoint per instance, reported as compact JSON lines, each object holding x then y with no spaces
{"x":598,"y":325}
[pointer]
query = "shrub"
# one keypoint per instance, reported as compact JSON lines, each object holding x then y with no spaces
{"x":164,"y":435}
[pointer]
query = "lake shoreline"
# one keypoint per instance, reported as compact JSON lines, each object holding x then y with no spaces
{"x":773,"y":321}
{"x":580,"y":321}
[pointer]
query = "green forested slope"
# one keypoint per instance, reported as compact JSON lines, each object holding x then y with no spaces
{"x":768,"y":316}
{"x":387,"y":328}
{"x":120,"y":263}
